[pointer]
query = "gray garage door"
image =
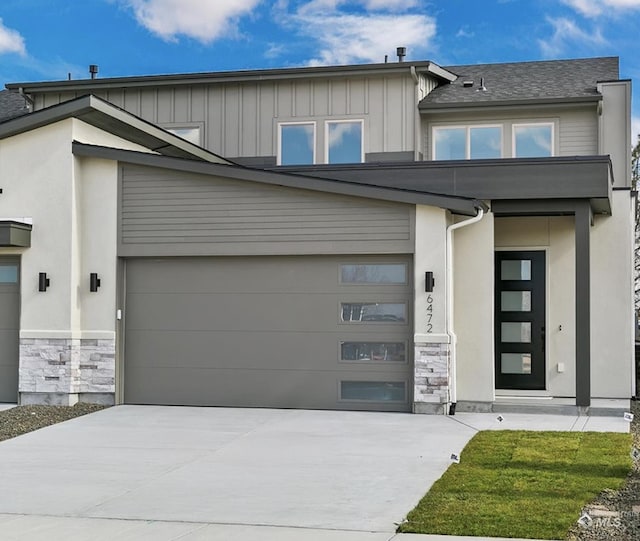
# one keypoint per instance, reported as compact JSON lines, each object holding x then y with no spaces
{"x":283,"y":332}
{"x":9,"y":329}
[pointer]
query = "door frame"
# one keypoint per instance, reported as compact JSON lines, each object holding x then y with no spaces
{"x":523,"y":390}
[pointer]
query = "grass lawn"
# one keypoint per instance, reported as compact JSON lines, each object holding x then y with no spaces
{"x":522,"y":484}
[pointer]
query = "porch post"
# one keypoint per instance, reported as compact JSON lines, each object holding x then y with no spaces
{"x":583,"y":219}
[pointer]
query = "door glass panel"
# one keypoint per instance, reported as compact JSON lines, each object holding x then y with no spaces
{"x":374,"y":274}
{"x":516,"y":269}
{"x":372,"y":351}
{"x":8,"y":274}
{"x":373,"y":311}
{"x":516,"y":363}
{"x":515,"y":301}
{"x":516,"y":332}
{"x":380,"y":391}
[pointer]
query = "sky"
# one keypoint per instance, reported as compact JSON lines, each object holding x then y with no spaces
{"x":51,"y":39}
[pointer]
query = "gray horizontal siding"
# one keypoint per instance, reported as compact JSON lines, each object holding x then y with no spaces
{"x":171,"y":213}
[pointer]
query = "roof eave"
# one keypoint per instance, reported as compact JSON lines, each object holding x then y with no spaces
{"x":425,"y":105}
{"x":457,"y":204}
{"x":119,"y":122}
{"x":233,"y":77}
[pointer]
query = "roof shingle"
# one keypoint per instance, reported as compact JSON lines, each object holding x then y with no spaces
{"x":12,"y":105}
{"x":549,"y":80}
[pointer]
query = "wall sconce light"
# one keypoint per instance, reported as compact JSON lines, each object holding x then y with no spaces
{"x":43,"y":281}
{"x":94,"y":282}
{"x":429,"y":282}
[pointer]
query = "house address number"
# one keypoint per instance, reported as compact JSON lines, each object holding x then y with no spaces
{"x":429,"y":313}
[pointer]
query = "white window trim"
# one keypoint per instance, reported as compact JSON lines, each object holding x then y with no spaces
{"x":186,"y":126}
{"x":343,"y":121}
{"x":515,"y":125}
{"x":297,"y":123}
{"x":467,"y":144}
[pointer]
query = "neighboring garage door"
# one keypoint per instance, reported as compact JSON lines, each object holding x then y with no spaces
{"x":9,"y":329}
{"x":282,"y":332}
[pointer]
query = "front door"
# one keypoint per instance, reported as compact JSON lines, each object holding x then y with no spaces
{"x":520,"y":320}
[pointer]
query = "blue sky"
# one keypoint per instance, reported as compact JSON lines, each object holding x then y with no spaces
{"x":48,"y":39}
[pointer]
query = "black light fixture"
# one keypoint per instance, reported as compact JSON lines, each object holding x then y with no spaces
{"x":43,"y":281}
{"x":429,"y":282}
{"x":94,"y":282}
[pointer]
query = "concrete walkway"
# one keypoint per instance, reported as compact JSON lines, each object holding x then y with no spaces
{"x":169,"y":473}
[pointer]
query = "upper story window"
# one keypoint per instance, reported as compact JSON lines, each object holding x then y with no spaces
{"x":467,"y":142}
{"x":340,"y":142}
{"x":532,"y":140}
{"x":190,"y":133}
{"x":344,"y":141}
{"x":297,"y":142}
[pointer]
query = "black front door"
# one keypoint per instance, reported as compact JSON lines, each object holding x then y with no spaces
{"x":520,"y":320}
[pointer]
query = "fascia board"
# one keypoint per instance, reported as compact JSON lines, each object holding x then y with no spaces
{"x":456,"y":204}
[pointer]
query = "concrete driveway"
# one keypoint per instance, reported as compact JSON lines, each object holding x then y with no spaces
{"x":304,"y":469}
{"x":169,"y":473}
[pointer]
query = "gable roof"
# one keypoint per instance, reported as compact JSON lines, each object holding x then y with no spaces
{"x":520,"y":83}
{"x":12,"y":105}
{"x":114,"y":120}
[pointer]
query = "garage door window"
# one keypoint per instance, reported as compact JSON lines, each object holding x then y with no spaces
{"x":369,"y":312}
{"x":8,"y":274}
{"x":395,"y":273}
{"x":378,"y":391}
{"x":373,"y":351}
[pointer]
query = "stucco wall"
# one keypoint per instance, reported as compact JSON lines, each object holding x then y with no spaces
{"x":612,"y":300}
{"x":36,"y":171}
{"x":473,"y":310}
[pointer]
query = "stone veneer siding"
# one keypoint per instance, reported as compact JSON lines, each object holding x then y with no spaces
{"x":65,"y":371}
{"x":431,"y":378}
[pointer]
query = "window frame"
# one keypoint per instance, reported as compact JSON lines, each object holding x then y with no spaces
{"x":284,"y":124}
{"x":515,"y":125}
{"x":467,"y":147}
{"x":186,"y":126}
{"x":327,"y":148}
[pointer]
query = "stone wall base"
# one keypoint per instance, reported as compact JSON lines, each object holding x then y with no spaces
{"x":431,"y":378}
{"x":52,"y":367}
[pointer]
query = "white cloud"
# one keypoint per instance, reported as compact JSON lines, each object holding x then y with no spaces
{"x":596,"y":8}
{"x":202,"y":20}
{"x":11,"y":41}
{"x":390,"y":5}
{"x":566,"y":32}
{"x":351,"y":36}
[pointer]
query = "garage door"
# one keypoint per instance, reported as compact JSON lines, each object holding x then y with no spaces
{"x":9,"y":329}
{"x":282,"y":332}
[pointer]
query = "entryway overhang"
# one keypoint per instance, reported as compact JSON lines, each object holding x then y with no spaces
{"x":15,"y":234}
{"x":583,"y":211}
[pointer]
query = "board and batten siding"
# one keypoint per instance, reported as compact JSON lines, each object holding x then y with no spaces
{"x":241,"y":119}
{"x":171,"y":213}
{"x":576,"y":127}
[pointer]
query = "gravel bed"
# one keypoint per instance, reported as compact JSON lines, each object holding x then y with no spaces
{"x":615,"y":514}
{"x":23,"y":419}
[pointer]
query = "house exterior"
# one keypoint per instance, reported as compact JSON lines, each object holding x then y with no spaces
{"x":392,"y":237}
